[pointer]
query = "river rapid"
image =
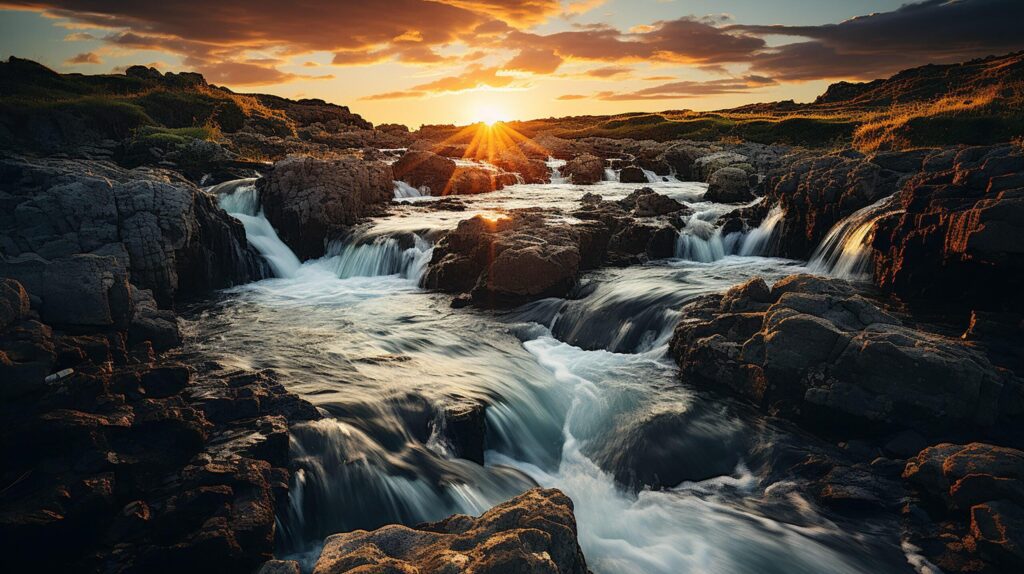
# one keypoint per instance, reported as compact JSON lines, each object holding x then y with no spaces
{"x":579,"y":395}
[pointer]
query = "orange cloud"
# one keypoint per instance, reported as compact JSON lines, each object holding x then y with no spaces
{"x":84,"y":58}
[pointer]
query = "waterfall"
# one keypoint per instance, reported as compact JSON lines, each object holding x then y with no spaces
{"x":241,"y":200}
{"x":846,"y":250}
{"x":610,"y":174}
{"x":701,"y":241}
{"x":382,"y":256}
{"x":651,"y":176}
{"x":404,"y":191}
{"x":556,"y":165}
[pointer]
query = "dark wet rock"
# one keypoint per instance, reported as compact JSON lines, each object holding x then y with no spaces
{"x":91,"y":227}
{"x":584,"y":169}
{"x":14,"y":303}
{"x":729,"y":185}
{"x":818,"y":350}
{"x":645,"y":202}
{"x":420,"y":168}
{"x":975,"y":505}
{"x":312,"y":201}
{"x":532,"y":533}
{"x":517,"y":257}
{"x":955,"y":240}
{"x":279,"y":567}
{"x":462,"y":426}
{"x":632,"y":174}
{"x":681,"y":157}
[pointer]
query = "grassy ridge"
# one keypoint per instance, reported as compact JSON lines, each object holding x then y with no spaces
{"x":977,"y":102}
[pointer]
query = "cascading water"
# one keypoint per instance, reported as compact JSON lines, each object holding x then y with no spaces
{"x":610,"y":174}
{"x":555,"y":167}
{"x":405,"y":191}
{"x":241,"y":199}
{"x":846,"y":250}
{"x":379,"y":257}
{"x":701,"y":241}
{"x":578,"y":396}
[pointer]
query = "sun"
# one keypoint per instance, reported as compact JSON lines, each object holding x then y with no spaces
{"x":489,"y":114}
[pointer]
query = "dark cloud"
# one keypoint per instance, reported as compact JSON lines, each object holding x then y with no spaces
{"x":251,"y":73}
{"x":691,"y":89}
{"x":84,"y":58}
{"x":879,"y":44}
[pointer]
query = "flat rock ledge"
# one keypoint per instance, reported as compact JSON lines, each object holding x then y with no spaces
{"x":533,"y":533}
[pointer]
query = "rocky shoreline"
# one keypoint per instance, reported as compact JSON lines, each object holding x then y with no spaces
{"x":139,"y":463}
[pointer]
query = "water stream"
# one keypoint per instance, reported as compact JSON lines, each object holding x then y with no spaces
{"x":579,"y":395}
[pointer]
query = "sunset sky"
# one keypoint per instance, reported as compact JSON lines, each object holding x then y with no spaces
{"x":457,"y":61}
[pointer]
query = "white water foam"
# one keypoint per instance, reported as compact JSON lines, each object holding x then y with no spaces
{"x":405,"y":191}
{"x":241,"y":200}
{"x":684,"y":529}
{"x":701,"y":241}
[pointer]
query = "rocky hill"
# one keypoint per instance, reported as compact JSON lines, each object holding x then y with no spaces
{"x":177,"y":120}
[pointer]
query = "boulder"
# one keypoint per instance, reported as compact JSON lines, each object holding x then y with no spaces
{"x":705,"y":166}
{"x":424,"y":169}
{"x":632,"y":174}
{"x":962,"y":476}
{"x":473,"y":180}
{"x":514,"y":258}
{"x":645,"y":202}
{"x":14,"y":303}
{"x":818,"y":350}
{"x":585,"y":169}
{"x":729,"y":185}
{"x":681,"y":157}
{"x":310,"y":201}
{"x":532,"y":533}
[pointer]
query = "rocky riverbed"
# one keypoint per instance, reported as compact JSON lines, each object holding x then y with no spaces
{"x":381,"y":360}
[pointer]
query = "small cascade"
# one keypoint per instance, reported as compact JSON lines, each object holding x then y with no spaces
{"x":701,"y":241}
{"x":240,"y":199}
{"x":846,"y":250}
{"x":651,"y":176}
{"x":610,"y":174}
{"x":405,"y":191}
{"x":382,"y":256}
{"x":555,"y":166}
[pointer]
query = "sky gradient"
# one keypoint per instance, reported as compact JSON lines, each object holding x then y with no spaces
{"x":458,"y":61}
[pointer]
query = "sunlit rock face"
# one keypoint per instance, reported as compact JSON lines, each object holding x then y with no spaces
{"x":533,"y":532}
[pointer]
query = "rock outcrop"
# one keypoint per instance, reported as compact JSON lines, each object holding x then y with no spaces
{"x":138,"y":464}
{"x":585,"y":169}
{"x":955,"y":238}
{"x":818,"y":350}
{"x":976,"y":494}
{"x":516,"y":257}
{"x":632,"y":174}
{"x":523,"y":255}
{"x":532,"y":533}
{"x":311,"y":201}
{"x":424,"y":169}
{"x":729,"y":185}
{"x":77,"y":234}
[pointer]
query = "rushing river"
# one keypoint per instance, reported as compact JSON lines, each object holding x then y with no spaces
{"x":579,"y":395}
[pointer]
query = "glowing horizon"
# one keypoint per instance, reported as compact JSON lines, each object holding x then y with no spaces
{"x":456,"y":61}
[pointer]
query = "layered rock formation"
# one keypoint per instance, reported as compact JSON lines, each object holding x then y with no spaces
{"x":975,"y":494}
{"x":818,"y":350}
{"x":311,"y":201}
{"x":956,"y":239}
{"x":80,"y":234}
{"x":532,"y":533}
